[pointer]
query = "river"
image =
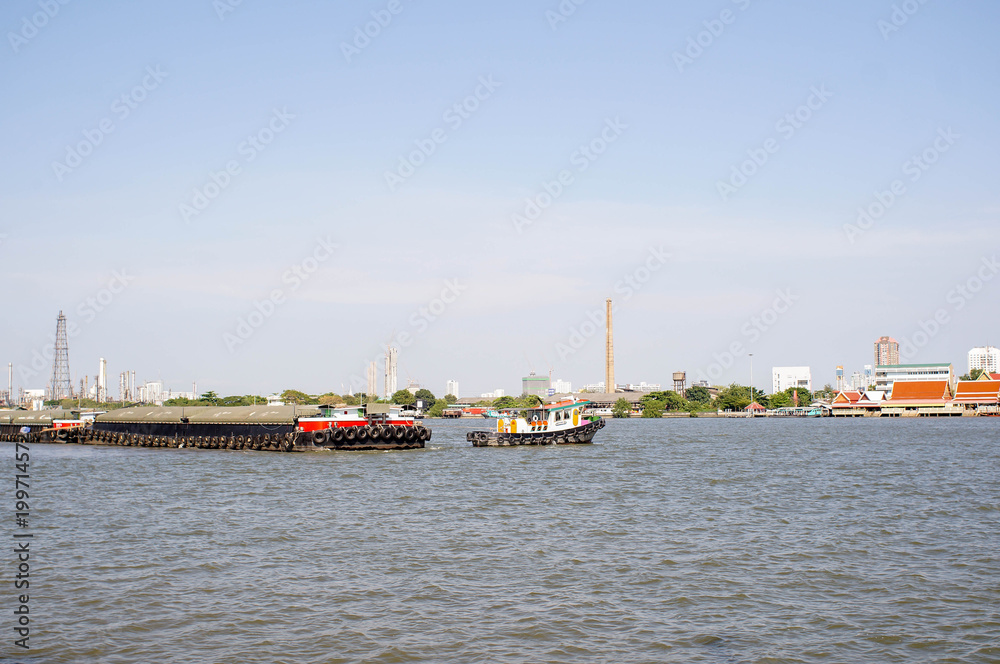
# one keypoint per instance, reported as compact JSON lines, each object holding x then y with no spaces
{"x":692,"y":540}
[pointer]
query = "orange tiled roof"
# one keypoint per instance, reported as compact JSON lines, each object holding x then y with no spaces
{"x":920,"y":390}
{"x":853,"y":399}
{"x":848,"y":396}
{"x":978,"y":391}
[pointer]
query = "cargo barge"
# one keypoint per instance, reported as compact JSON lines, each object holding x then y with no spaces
{"x":272,"y":428}
{"x":560,"y":423}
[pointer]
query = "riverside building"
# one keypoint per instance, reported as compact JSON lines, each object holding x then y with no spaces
{"x":783,"y":378}
{"x":887,"y":376}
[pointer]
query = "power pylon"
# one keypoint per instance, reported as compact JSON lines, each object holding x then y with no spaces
{"x":61,"y":388}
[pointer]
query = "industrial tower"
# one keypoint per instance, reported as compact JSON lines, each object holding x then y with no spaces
{"x":61,"y":388}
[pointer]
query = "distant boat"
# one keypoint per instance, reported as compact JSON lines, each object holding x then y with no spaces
{"x":798,"y":411}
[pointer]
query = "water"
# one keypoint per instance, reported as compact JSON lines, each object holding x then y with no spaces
{"x":668,"y":541}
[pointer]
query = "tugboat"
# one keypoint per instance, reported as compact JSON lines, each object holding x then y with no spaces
{"x":560,"y":423}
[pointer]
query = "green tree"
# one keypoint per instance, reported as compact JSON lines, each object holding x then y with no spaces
{"x":210,"y":398}
{"x":437,"y":409}
{"x":182,"y":401}
{"x":351,"y":400}
{"x":424,"y":393}
{"x":673,"y":401}
{"x":734,"y":397}
{"x":975,"y":374}
{"x":530,"y":400}
{"x":622,"y":408}
{"x":450,"y":398}
{"x":804,"y":395}
{"x":505,"y":402}
{"x":330,"y":398}
{"x":403,"y":397}
{"x":652,"y":408}
{"x":699,"y":394}
{"x":296,"y":397}
{"x":780,"y":400}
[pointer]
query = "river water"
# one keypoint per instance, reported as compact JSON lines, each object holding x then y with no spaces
{"x":694,"y":540}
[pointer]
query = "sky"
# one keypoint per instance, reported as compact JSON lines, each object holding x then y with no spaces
{"x":261,"y":196}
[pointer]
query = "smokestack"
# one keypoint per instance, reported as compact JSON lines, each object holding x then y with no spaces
{"x":609,"y":355}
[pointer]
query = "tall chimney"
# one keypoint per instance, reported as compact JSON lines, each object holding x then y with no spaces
{"x":609,"y":355}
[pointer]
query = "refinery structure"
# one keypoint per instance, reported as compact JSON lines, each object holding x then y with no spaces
{"x":95,"y":387}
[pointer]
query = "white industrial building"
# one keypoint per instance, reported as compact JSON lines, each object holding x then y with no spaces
{"x":644,"y":387}
{"x":984,"y":358}
{"x":783,"y":378}
{"x":452,"y":388}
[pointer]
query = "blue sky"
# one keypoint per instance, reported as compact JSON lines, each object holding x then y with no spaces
{"x":329,"y":127}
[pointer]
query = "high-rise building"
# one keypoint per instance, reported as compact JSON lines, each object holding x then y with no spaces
{"x":886,"y":352}
{"x":562,"y":386}
{"x":452,"y":388}
{"x":984,"y":358}
{"x":390,"y":371}
{"x":783,"y":378}
{"x":536,"y":385}
{"x":372,"y":380}
{"x":858,"y":381}
{"x":840,"y":377}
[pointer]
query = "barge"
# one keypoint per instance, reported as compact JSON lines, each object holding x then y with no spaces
{"x":561,"y":423}
{"x":272,"y":428}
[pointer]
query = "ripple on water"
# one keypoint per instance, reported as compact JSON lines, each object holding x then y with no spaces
{"x":674,"y":540}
